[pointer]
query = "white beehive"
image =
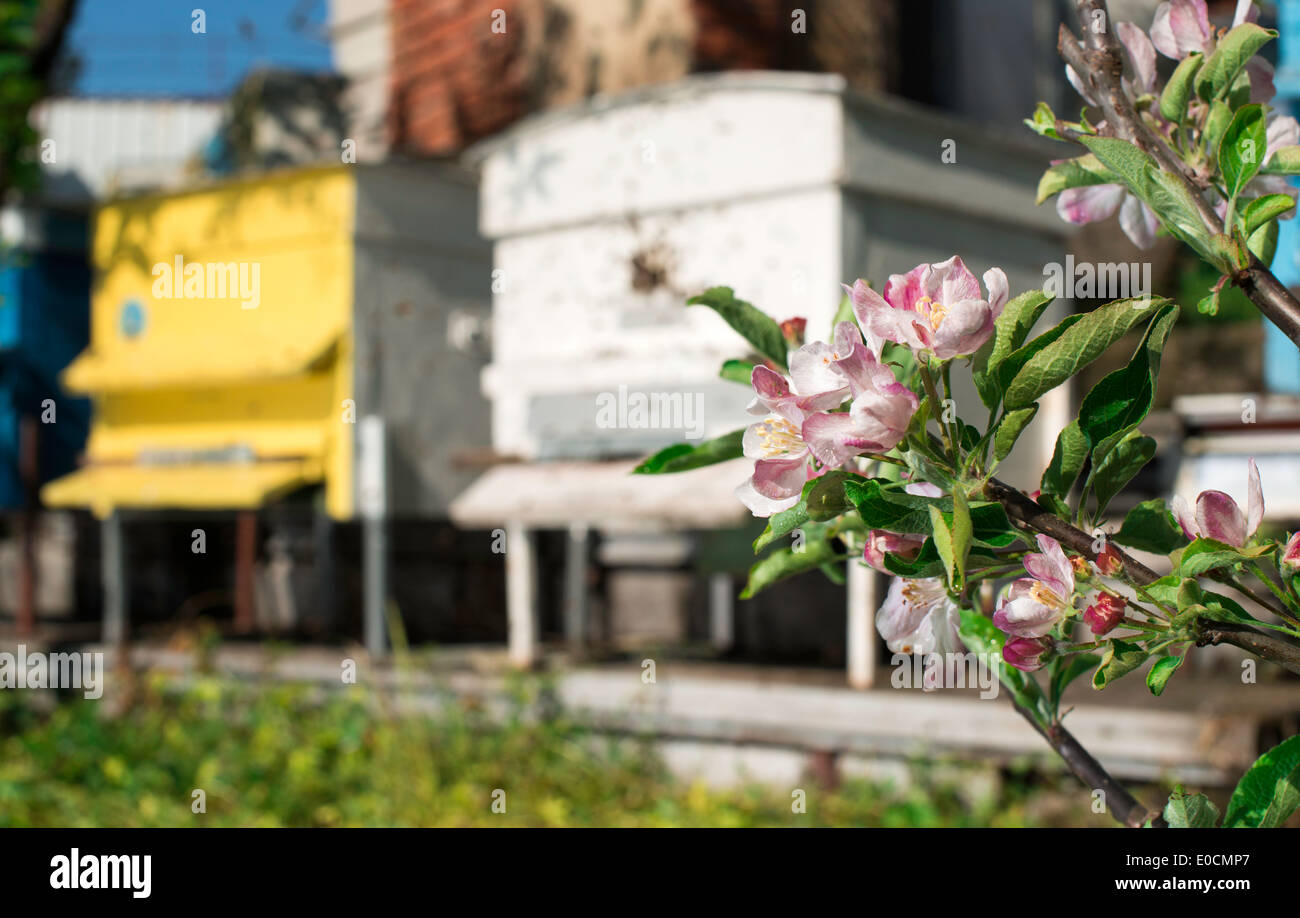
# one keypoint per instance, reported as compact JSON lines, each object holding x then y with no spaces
{"x":606,"y":217}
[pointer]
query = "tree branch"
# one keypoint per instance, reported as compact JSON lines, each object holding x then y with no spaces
{"x":1099,"y":61}
{"x":1020,"y":508}
{"x":1119,"y":802}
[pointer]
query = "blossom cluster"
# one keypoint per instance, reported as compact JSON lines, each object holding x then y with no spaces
{"x":1180,"y":28}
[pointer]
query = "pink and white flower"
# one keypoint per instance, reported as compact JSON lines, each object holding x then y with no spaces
{"x":1104,"y":613}
{"x":937,"y":309}
{"x":918,"y":616}
{"x":1217,"y":515}
{"x":1090,"y":203}
{"x":800,"y":438}
{"x":1182,"y":27}
{"x":1033,"y":605}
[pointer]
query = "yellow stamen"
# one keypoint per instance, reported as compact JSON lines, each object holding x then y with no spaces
{"x":777,"y":436}
{"x":933,"y":312}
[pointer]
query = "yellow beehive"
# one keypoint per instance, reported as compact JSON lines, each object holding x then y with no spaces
{"x":223,"y":330}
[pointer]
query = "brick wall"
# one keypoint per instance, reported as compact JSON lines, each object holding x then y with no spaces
{"x":454,"y":80}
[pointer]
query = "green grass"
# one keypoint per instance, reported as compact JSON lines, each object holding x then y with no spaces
{"x":285,"y":755}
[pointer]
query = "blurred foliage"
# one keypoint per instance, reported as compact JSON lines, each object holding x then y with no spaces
{"x":292,"y":755}
{"x":1194,"y":278}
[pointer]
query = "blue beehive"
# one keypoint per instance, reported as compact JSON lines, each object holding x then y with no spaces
{"x":44,"y":324}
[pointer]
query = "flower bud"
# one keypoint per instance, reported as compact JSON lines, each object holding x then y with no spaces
{"x":1291,"y":553}
{"x":880,"y":541}
{"x":1109,"y":561}
{"x":793,"y":330}
{"x":1105,"y":613}
{"x":1082,"y":570}
{"x":1026,"y":653}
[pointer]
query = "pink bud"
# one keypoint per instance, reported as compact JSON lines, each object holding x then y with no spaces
{"x":1109,"y":561}
{"x":1105,"y":613}
{"x":1291,"y":553}
{"x":880,"y":541}
{"x":1026,"y":653}
{"x":793,"y":330}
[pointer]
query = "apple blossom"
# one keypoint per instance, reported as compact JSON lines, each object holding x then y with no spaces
{"x":918,"y":616}
{"x":933,"y":309}
{"x":1032,"y":606}
{"x":1218,"y":516}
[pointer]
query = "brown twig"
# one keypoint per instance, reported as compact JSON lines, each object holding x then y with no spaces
{"x":1099,"y":61}
{"x":1023,"y":510}
{"x":1126,"y":808}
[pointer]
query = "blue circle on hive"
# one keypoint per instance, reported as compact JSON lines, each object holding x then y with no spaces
{"x":131,"y":319}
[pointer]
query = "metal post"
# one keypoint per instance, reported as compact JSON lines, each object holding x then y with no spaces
{"x":245,"y":557}
{"x":861,"y":595}
{"x":575,"y":587}
{"x":373,"y":494}
{"x":521,"y":595}
{"x":29,"y":474}
{"x":113,"y":567}
{"x":721,"y":611}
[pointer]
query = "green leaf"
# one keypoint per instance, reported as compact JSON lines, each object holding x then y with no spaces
{"x":1009,"y":332}
{"x":1116,"y":467}
{"x":1151,"y":527}
{"x":1215,"y":124}
{"x":1123,"y":159}
{"x":1190,"y":811}
{"x":1010,"y":429}
{"x":1159,"y":674}
{"x":1178,"y":91}
{"x":741,"y":371}
{"x":1178,"y":213}
{"x":980,"y":636}
{"x":786,"y":562}
{"x":1122,"y":399}
{"x":681,"y":457}
{"x":1066,"y":669}
{"x":944,"y":542}
{"x":1205,"y":555}
{"x":962,"y":537}
{"x":1263,"y":243}
{"x":1067,"y":461}
{"x":1043,"y":122}
{"x":1208,"y":305}
{"x":1016,"y":360}
{"x":1081,"y":344}
{"x":754,"y":325}
{"x":1241,"y":153}
{"x":1120,"y":659}
{"x":1074,"y":173}
{"x":1229,"y":57}
{"x":1266,"y":795}
{"x":824,"y":496}
{"x":782,"y":524}
{"x":1259,"y":211}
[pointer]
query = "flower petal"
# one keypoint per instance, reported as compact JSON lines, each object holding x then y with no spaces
{"x":1089,"y":203}
{"x":995,"y":281}
{"x":1219,"y":517}
{"x":780,"y":479}
{"x":1138,"y":222}
{"x":759,"y":505}
{"x":1141,"y":53}
{"x":1254,"y":501}
{"x":1183,"y":513}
